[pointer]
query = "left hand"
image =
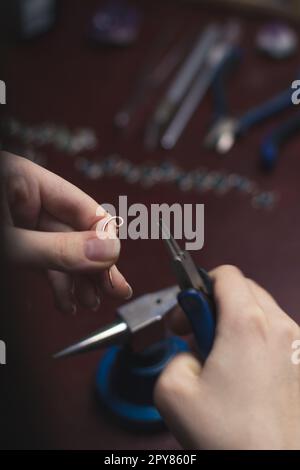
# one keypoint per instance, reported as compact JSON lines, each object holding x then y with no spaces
{"x":50,"y":224}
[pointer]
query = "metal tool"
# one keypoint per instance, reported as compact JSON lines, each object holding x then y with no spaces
{"x":227,"y":129}
{"x":271,"y":144}
{"x":220,"y":101}
{"x":180,"y":85}
{"x":155,"y":72}
{"x":132,"y":317}
{"x":196,"y":293}
{"x":126,"y":376}
{"x":216,"y":57}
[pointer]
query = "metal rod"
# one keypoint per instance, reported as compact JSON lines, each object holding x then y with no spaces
{"x":100,"y":338}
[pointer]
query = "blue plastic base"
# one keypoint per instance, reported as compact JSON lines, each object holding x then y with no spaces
{"x":125,"y":381}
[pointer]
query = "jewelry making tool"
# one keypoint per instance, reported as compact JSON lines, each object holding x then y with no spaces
{"x":127,"y":374}
{"x":196,"y":293}
{"x":215,"y":58}
{"x":227,"y":129}
{"x":270,"y":147}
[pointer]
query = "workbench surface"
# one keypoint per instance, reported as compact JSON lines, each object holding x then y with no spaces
{"x":66,"y":81}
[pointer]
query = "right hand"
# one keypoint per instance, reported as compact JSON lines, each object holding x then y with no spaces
{"x":247,"y":393}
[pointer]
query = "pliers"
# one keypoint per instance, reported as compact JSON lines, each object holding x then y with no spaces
{"x":196,"y":293}
{"x":226,"y":129}
{"x":271,"y":144}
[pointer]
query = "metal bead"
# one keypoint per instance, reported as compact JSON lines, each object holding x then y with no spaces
{"x":62,"y":139}
{"x":209,"y":181}
{"x":199,"y":177}
{"x":81,"y":164}
{"x":133,"y":175}
{"x":169,"y":171}
{"x":264,"y":200}
{"x":114,"y":164}
{"x":45,"y":134}
{"x":222,"y":185}
{"x":186,"y":182}
{"x":94,"y":171}
{"x":81,"y":140}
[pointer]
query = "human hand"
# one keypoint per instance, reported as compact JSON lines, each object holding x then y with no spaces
{"x":50,"y":224}
{"x":247,"y":393}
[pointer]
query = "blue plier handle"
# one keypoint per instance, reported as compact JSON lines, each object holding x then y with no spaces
{"x":272,"y":143}
{"x":196,"y":294}
{"x":221,"y":107}
{"x":201,"y":312}
{"x":255,"y":115}
{"x":258,"y":114}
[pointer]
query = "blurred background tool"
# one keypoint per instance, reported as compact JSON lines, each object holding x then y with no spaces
{"x":180,"y":85}
{"x":196,"y":293}
{"x":226,"y":130}
{"x":27,"y":19}
{"x":282,"y":8}
{"x":277,"y":40}
{"x":115,"y":24}
{"x":127,"y":374}
{"x":157,"y":70}
{"x":272,"y":144}
{"x":216,"y":56}
{"x":220,"y":84}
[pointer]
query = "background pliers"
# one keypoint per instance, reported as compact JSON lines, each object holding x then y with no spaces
{"x":272,"y":143}
{"x":226,"y":128}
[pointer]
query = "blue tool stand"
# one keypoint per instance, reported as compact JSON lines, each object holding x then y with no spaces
{"x":125,"y":381}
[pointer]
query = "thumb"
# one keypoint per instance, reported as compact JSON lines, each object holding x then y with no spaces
{"x":62,"y":251}
{"x":176,"y":395}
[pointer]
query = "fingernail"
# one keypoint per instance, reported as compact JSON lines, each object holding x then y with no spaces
{"x":101,"y":250}
{"x":130,"y":292}
{"x":100,"y":211}
{"x":96,"y":304}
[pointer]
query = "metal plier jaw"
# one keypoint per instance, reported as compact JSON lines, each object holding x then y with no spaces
{"x":196,"y":293}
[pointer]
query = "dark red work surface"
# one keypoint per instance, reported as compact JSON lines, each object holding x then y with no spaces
{"x":60,"y":78}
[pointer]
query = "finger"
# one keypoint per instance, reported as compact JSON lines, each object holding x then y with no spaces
{"x":71,"y":251}
{"x":57,"y":196}
{"x":86,"y":293}
{"x":233,"y":295}
{"x":62,"y":287}
{"x":5,"y":212}
{"x":175,"y":393}
{"x":48,"y":223}
{"x":23,"y":200}
{"x":67,"y":202}
{"x":264,"y":298}
{"x":114,"y":283}
{"x":178,"y":322}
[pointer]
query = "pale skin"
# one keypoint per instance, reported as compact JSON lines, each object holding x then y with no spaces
{"x":247,"y":393}
{"x":50,"y":226}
